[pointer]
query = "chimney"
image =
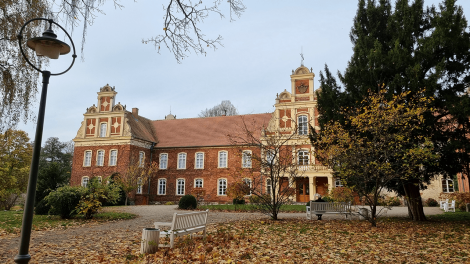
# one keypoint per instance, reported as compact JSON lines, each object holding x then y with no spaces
{"x":135,"y":111}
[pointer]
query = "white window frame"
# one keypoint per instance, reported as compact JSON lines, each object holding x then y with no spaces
{"x":162,"y":186}
{"x":103,"y":131}
{"x":163,"y":162}
{"x":270,"y":155}
{"x":220,"y":159}
{"x":182,"y":160}
{"x":246,"y":159}
{"x":338,"y":182}
{"x":222,"y":188}
{"x":303,"y":155}
{"x":303,"y":124}
{"x":113,"y":162}
{"x":85,"y":181}
{"x":199,"y":163}
{"x":87,"y":160}
{"x":100,"y":179}
{"x":446,"y":185}
{"x":141,"y":158}
{"x":178,"y":186}
{"x":139,"y":186}
{"x":268,"y":186}
{"x":100,"y":158}
{"x":248,"y":182}
{"x":196,"y":183}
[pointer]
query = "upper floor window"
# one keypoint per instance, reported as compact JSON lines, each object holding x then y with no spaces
{"x":87,"y":161}
{"x":200,"y":160}
{"x":139,"y":186}
{"x":246,"y":159}
{"x":163,"y":161}
{"x":270,"y":156}
{"x":223,"y":159}
{"x":268,"y":186}
{"x":182,"y":161}
{"x":338,"y":182}
{"x":222,"y":187}
{"x":162,"y":186}
{"x":303,"y":157}
{"x":180,"y":187}
{"x":303,"y":125}
{"x":198,"y":183}
{"x":85,"y":180}
{"x":247,"y":183}
{"x":113,"y":158}
{"x":141,"y":158}
{"x":100,"y":158}
{"x":447,"y":185}
{"x":103,"y":129}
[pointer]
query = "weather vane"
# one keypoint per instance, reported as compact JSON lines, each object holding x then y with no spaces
{"x":302,"y":56}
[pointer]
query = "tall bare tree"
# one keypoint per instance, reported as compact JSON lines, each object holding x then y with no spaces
{"x":270,"y":174}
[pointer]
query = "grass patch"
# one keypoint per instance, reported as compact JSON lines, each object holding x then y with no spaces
{"x":11,"y":221}
{"x":251,"y":208}
{"x":451,"y":216}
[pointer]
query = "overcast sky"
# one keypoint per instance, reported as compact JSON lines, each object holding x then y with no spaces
{"x":261,"y":49}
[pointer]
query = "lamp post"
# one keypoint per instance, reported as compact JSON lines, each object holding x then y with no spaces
{"x":48,"y":45}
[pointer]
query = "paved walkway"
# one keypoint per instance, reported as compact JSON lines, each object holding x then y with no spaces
{"x":148,"y":214}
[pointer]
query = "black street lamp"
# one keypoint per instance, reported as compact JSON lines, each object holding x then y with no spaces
{"x":48,"y":45}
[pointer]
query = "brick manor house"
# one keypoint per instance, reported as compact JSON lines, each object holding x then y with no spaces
{"x":195,"y":153}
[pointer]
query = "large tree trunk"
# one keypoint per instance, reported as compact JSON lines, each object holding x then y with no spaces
{"x":415,"y":204}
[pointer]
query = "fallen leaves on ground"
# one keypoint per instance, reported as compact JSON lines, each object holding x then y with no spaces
{"x":286,"y":241}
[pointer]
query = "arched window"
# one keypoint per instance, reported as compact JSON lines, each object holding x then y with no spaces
{"x":246,"y":159}
{"x":161,"y":186}
{"x":447,"y":185}
{"x":303,"y":125}
{"x":139,"y":186}
{"x":87,"y":160}
{"x":141,"y":158}
{"x":180,"y":187}
{"x":182,"y":161}
{"x":113,"y":157}
{"x":200,"y":160}
{"x":100,"y":158}
{"x":223,"y":159}
{"x":85,"y":180}
{"x":198,"y":183}
{"x":222,"y":187}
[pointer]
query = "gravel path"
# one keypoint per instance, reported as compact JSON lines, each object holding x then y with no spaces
{"x":148,"y":214}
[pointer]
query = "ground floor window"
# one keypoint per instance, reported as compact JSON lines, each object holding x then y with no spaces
{"x":222,"y":187}
{"x":180,"y":187}
{"x":162,"y":186}
{"x":139,"y":186}
{"x":85,"y":180}
{"x":268,"y":186}
{"x":338,"y":182}
{"x":447,"y":185}
{"x":198,"y":183}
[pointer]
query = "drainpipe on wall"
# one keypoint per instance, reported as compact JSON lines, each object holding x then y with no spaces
{"x":148,"y":189}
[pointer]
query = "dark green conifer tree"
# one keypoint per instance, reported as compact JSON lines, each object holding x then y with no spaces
{"x":407,"y":47}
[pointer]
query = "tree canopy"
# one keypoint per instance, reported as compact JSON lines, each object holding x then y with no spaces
{"x":407,"y":47}
{"x":225,"y":108}
{"x":378,"y":146}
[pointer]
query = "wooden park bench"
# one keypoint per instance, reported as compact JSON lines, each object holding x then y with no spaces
{"x":183,"y":224}
{"x":328,"y":208}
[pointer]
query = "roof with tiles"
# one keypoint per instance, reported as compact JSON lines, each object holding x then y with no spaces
{"x":141,"y":127}
{"x":209,"y":131}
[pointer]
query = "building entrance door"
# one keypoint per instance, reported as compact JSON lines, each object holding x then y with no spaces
{"x":322,"y":185}
{"x":302,"y":190}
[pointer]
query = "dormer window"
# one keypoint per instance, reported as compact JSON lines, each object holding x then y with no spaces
{"x":103,"y":129}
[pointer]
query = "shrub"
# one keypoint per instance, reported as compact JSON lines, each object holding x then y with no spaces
{"x":392,"y":201}
{"x":238,"y":201}
{"x":461,"y":199}
{"x":95,"y":195}
{"x":169,"y":203}
{"x":187,"y":202}
{"x":431,"y":202}
{"x":42,"y":208}
{"x":341,"y":194}
{"x":64,"y":199}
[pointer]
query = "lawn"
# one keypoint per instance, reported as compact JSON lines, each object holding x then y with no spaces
{"x":288,"y":208}
{"x":10,"y":221}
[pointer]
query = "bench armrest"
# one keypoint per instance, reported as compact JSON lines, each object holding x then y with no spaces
{"x":158,"y":224}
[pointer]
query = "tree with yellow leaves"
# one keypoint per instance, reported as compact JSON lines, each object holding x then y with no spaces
{"x":135,"y":177}
{"x":378,"y":146}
